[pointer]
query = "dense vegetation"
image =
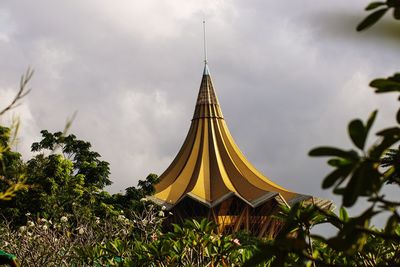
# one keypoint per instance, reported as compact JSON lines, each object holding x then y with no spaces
{"x":54,"y":210}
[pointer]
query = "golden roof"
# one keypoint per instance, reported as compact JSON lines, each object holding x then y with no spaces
{"x":210,"y":167}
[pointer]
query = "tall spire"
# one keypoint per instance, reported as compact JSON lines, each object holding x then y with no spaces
{"x":211,"y":171}
{"x":210,"y":167}
{"x":205,"y":42}
{"x":207,"y":105}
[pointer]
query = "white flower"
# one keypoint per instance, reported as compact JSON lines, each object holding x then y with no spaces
{"x":163,"y":208}
{"x":43,"y":220}
{"x":22,"y":229}
{"x":97,"y":220}
{"x":161,"y":213}
{"x":63,"y":219}
{"x":27,"y":214}
{"x":143,"y":199}
{"x":81,"y":231}
{"x":30,"y":224}
{"x":29,"y":233}
{"x":6,"y":243}
{"x":170,"y":213}
{"x":121,"y":217}
{"x":45,"y":227}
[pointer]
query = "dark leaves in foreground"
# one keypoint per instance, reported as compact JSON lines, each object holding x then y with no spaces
{"x":379,"y":10}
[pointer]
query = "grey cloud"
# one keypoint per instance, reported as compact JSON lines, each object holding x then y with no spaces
{"x":289,"y":76}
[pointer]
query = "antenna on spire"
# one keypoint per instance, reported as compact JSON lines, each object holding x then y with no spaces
{"x":204,"y":39}
{"x":206,"y":71}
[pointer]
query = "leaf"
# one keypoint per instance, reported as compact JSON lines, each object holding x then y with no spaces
{"x":344,"y":216}
{"x":386,"y":85}
{"x":337,"y":174}
{"x":357,"y":133}
{"x":377,"y":150}
{"x":265,"y":253}
{"x":332,"y":151}
{"x":334,"y":162}
{"x":353,"y":189}
{"x":396,"y":13}
{"x":398,"y":116}
{"x":340,"y":162}
{"x":371,"y":120}
{"x":391,"y":224}
{"x":389,"y":132}
{"x":371,"y":19}
{"x":374,"y":5}
{"x":339,"y":191}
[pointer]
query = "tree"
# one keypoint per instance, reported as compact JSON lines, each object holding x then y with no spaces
{"x":11,"y":166}
{"x":85,"y":162}
{"x":131,"y":200}
{"x":359,"y":172}
{"x":61,"y":183}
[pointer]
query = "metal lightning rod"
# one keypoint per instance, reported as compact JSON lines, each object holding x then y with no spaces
{"x":204,"y":39}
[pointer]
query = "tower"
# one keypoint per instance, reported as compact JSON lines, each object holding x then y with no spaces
{"x":210,"y":177}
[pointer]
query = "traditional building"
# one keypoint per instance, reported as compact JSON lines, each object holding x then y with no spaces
{"x":210,"y":177}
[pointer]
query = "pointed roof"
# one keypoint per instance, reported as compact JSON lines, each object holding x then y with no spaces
{"x":210,"y":166}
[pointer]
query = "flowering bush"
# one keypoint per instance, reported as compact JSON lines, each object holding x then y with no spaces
{"x":43,"y":242}
{"x":73,"y":239}
{"x":193,"y":244}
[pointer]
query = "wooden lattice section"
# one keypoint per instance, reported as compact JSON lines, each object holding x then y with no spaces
{"x":231,"y":216}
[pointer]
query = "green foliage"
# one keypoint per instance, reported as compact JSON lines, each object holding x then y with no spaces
{"x":12,"y":168}
{"x":195,"y":243}
{"x":353,"y":168}
{"x":85,"y":161}
{"x":293,"y":244}
{"x":391,"y":162}
{"x":59,"y":183}
{"x":131,"y":200}
{"x":12,"y":173}
{"x":379,"y":10}
{"x":359,"y":172}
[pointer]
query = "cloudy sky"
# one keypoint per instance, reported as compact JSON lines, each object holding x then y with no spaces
{"x":289,"y":76}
